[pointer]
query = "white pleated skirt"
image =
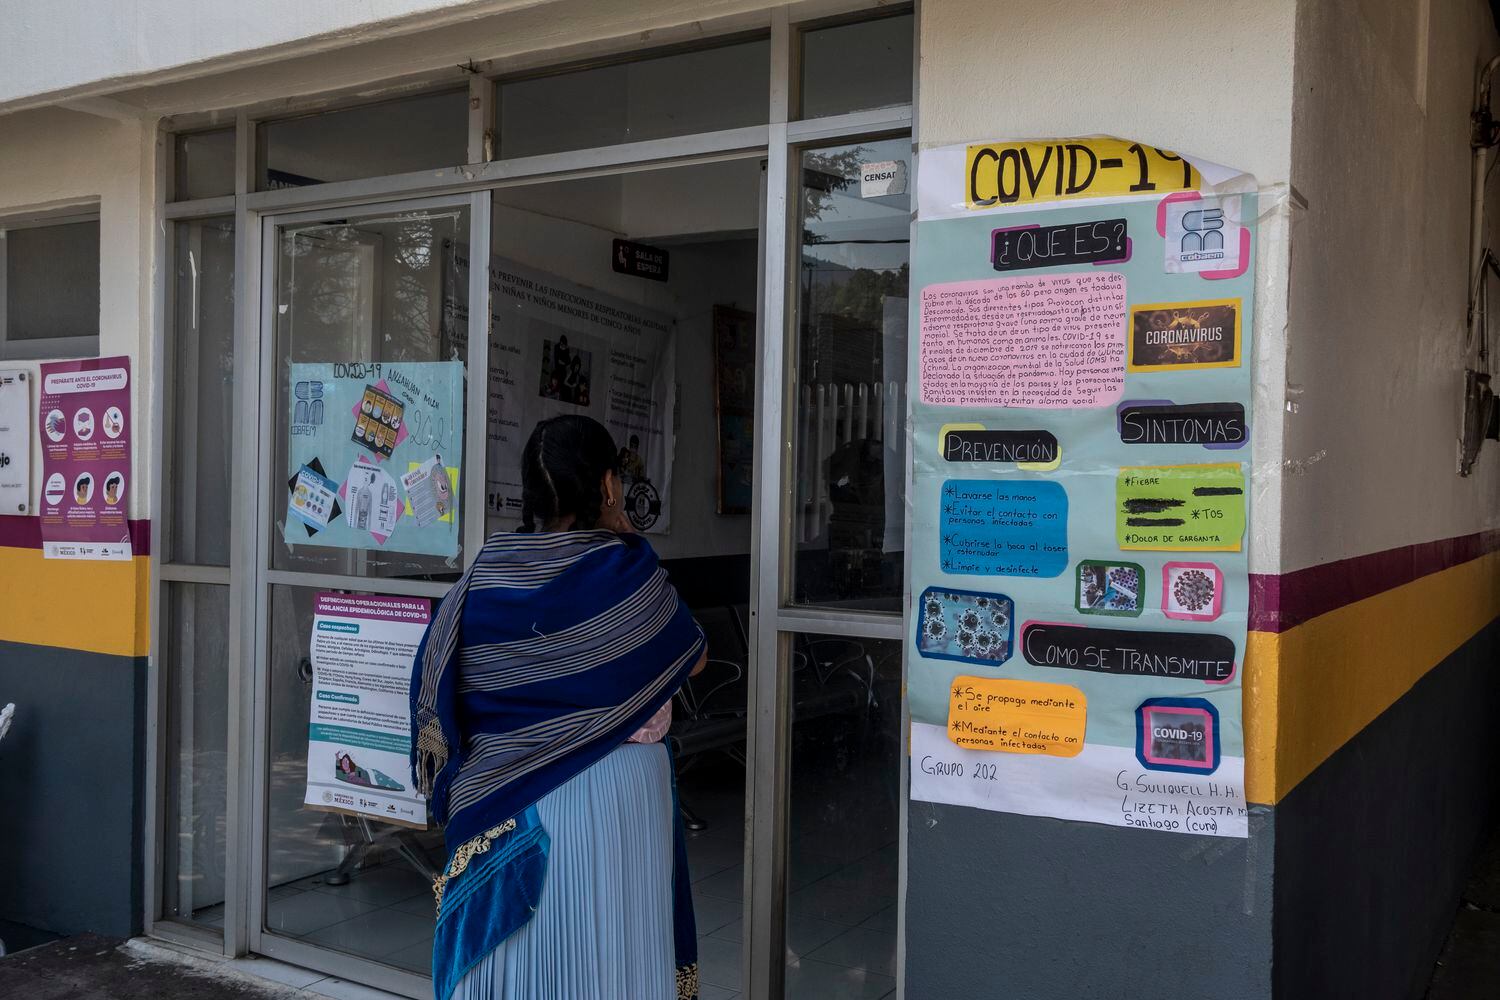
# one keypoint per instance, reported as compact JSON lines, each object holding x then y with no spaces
{"x":603,"y":927}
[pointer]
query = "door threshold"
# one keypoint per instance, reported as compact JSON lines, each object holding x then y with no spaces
{"x":276,"y":978}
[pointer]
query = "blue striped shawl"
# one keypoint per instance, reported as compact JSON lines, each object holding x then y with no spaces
{"x":549,"y":653}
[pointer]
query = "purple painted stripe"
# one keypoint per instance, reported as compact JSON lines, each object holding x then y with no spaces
{"x":1281,"y":601}
{"x":26,"y":533}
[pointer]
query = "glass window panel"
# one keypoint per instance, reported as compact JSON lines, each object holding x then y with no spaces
{"x":653,"y":98}
{"x":845,"y":810}
{"x":849,"y":386}
{"x":204,"y":165}
{"x":857,"y":67}
{"x":202,"y":430}
{"x":356,"y":885}
{"x":51,"y":281}
{"x":363,"y":291}
{"x":196,"y":674}
{"x":373,"y":140}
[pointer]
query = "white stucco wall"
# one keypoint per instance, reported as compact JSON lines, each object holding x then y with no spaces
{"x":1178,"y":74}
{"x":1380,"y":150}
{"x":165,"y":57}
{"x":52,"y":47}
{"x":53,"y":158}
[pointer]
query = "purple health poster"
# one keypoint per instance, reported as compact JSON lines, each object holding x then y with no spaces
{"x":85,"y":422}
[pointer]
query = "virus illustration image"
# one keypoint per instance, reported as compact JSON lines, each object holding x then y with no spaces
{"x":965,"y":626}
{"x":1193,"y":590}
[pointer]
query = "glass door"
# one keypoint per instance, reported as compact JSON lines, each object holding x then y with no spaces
{"x":365,"y":517}
{"x":666,"y":359}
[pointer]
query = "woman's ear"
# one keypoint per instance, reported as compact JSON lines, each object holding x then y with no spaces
{"x":609,"y":489}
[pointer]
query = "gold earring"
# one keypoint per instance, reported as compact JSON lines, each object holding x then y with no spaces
{"x":610,"y":502}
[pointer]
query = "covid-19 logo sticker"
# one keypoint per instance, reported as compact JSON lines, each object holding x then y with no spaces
{"x":1177,"y":734}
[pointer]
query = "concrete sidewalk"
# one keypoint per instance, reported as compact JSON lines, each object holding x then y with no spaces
{"x":1469,"y":967}
{"x":90,"y":967}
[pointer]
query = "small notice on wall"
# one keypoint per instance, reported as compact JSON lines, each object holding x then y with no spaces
{"x":1052,"y":341}
{"x":359,"y":724}
{"x":85,"y":417}
{"x":877,"y":180}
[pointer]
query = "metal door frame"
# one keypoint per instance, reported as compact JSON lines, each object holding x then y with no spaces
{"x":249,"y":577}
{"x":257,"y":422}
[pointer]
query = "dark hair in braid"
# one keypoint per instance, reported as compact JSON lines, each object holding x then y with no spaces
{"x":561,"y":467}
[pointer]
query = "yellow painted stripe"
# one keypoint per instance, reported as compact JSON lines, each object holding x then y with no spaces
{"x":100,"y":607}
{"x":1311,"y":689}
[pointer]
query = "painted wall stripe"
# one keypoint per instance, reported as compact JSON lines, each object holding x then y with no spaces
{"x":1282,"y":601}
{"x":1311,"y":688}
{"x":26,"y":533}
{"x":100,"y":607}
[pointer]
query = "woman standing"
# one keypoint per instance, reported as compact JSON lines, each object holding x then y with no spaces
{"x":540,"y":695}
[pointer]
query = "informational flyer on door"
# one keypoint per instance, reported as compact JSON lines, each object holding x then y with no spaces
{"x":376,"y":456}
{"x":1080,"y":486}
{"x":359,"y":724}
{"x":84,"y":414}
{"x":557,"y":347}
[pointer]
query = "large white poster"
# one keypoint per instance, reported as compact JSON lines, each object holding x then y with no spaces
{"x":1079,"y":486}
{"x":359,"y":725}
{"x":557,"y":347}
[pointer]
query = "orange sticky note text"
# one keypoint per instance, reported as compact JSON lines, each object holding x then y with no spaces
{"x":1013,"y":716}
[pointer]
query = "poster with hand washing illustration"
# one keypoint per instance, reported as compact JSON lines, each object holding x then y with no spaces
{"x":359,"y":723}
{"x":375,"y":456}
{"x":1083,"y":314}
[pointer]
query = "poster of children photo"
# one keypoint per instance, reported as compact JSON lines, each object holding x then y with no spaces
{"x":565,"y":371}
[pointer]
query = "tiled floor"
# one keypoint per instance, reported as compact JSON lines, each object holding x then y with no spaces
{"x":841,"y":911}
